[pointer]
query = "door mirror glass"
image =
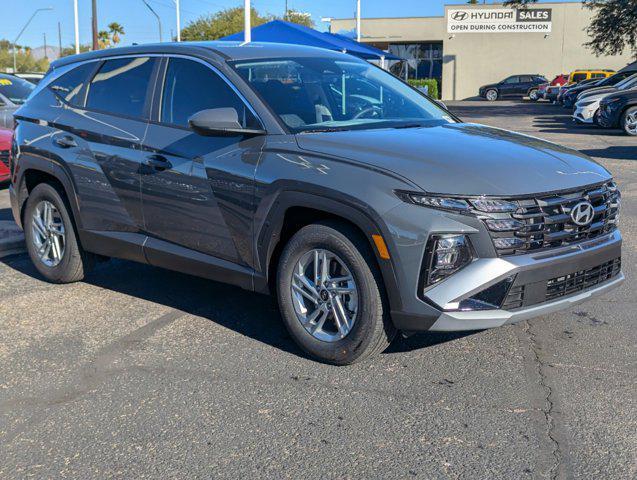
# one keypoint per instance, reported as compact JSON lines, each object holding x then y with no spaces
{"x":220,"y":121}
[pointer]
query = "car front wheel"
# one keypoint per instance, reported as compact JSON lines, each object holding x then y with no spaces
{"x":331,"y":295}
{"x":629,"y":121}
{"x":491,"y":95}
{"x":533,"y":95}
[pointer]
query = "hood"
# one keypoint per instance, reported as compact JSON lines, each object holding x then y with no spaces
{"x":463,"y":158}
{"x":596,"y":91}
{"x":592,"y":98}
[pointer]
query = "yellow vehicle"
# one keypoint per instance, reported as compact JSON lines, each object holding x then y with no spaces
{"x":577,"y":76}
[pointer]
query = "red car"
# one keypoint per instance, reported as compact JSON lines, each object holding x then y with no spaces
{"x":558,"y":81}
{"x":5,"y":148}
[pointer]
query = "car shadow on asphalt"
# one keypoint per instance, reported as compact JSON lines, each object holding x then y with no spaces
{"x":250,"y":314}
{"x":613,"y":153}
{"x":5,"y":214}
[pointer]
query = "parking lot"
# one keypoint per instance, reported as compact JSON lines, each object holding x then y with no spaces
{"x":139,"y":372}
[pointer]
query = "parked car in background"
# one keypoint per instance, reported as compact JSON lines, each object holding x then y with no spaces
{"x":587,"y":107}
{"x":33,"y":77}
{"x":5,"y":149}
{"x":513,"y":86}
{"x":569,"y":98}
{"x":619,"y":110}
{"x":254,"y":165}
{"x":13,"y":93}
{"x":556,"y":94}
{"x":577,"y":76}
{"x":558,"y":81}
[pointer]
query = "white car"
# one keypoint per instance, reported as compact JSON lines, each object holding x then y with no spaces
{"x":587,"y":109}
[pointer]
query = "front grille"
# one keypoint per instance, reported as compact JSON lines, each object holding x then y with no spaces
{"x":578,"y":281}
{"x":545,"y":221}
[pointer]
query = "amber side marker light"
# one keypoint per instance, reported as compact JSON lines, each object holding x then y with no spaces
{"x":381,"y":247}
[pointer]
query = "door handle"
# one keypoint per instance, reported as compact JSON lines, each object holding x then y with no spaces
{"x":158,"y":162}
{"x":65,"y":141}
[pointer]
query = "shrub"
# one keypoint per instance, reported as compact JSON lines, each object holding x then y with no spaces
{"x":431,"y":83}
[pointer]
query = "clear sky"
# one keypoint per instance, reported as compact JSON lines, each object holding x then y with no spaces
{"x":141,"y":26}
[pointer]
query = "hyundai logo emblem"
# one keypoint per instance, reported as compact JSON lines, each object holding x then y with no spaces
{"x":459,"y":16}
{"x":582,"y":214}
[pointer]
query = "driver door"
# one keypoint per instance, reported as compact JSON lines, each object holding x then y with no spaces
{"x":197,"y":190}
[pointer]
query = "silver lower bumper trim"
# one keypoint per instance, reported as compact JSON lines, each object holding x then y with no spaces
{"x":482,"y":319}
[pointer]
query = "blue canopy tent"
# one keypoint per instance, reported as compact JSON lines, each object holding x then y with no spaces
{"x":280,"y":31}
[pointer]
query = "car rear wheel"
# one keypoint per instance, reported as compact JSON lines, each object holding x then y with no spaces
{"x":51,"y":239}
{"x":491,"y":95}
{"x":331,"y":295}
{"x":533,"y":95}
{"x":629,"y":121}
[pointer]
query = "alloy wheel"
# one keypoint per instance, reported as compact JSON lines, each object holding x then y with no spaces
{"x":533,"y":95}
{"x":492,"y":95}
{"x":630,"y":121}
{"x":48,"y":233}
{"x":324,"y":295}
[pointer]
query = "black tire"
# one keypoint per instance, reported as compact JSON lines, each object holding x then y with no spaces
{"x":630,"y":111}
{"x":596,"y":117}
{"x":373,"y":331}
{"x":494,"y":95}
{"x":75,"y":262}
{"x":533,"y":95}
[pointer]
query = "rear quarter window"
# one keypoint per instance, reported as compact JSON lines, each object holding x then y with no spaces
{"x":70,"y":85}
{"x":120,"y":86}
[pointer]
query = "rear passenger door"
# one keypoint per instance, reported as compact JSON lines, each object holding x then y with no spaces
{"x":105,"y":136}
{"x":197,"y":190}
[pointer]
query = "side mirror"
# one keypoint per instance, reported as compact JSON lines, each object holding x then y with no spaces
{"x":220,"y":122}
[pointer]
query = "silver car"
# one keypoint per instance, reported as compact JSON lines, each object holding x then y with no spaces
{"x":13,"y":92}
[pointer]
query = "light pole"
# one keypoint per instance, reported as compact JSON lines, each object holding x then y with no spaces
{"x":156,"y":16}
{"x":77,"y":28}
{"x":358,"y":20}
{"x":15,"y":63}
{"x":178,"y":21}
{"x":247,"y":31}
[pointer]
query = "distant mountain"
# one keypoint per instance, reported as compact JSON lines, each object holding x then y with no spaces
{"x":52,"y":53}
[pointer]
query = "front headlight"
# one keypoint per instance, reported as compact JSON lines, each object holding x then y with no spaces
{"x":481,"y":204}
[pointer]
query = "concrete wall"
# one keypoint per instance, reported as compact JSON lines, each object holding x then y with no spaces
{"x":474,"y":59}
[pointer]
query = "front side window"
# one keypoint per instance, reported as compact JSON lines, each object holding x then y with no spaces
{"x":310,"y":94}
{"x":191,"y":87}
{"x":514,"y":79}
{"x":578,"y":77}
{"x":69,"y":85}
{"x":120,"y":86}
{"x":15,"y":89}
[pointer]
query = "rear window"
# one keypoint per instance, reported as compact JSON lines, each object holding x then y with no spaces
{"x":70,"y":85}
{"x":120,"y":86}
{"x":15,"y":89}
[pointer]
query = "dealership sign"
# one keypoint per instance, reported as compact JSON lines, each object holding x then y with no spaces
{"x":498,"y":20}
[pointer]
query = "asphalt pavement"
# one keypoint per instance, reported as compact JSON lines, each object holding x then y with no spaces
{"x":143,"y":373}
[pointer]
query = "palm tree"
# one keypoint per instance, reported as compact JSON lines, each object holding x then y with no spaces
{"x":103,"y":39}
{"x":115,"y":29}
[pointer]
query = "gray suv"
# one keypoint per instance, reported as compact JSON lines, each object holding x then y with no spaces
{"x":364,"y":206}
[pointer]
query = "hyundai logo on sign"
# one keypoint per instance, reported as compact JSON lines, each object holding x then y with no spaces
{"x":582,"y":214}
{"x":459,"y":16}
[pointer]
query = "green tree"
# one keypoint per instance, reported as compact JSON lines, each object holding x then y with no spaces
{"x":229,"y":21}
{"x":24,"y":60}
{"x":70,"y":50}
{"x":613,"y":28}
{"x":115,"y":30}
{"x":221,"y":24}
{"x":301,"y":18}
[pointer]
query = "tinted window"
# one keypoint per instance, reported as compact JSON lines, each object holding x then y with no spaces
{"x":526,"y":78}
{"x":15,"y":89}
{"x":191,"y":87}
{"x":69,"y":85}
{"x":578,"y":77}
{"x":120,"y":86}
{"x":512,"y":80}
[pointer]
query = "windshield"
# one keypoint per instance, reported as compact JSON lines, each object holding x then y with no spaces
{"x":325,"y":94}
{"x":15,"y":89}
{"x":627,"y":82}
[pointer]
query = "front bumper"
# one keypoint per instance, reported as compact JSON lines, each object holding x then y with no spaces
{"x":533,"y":273}
{"x":585,"y":114}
